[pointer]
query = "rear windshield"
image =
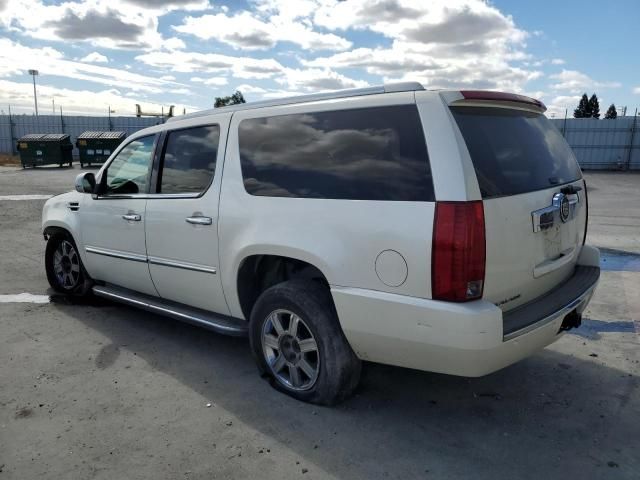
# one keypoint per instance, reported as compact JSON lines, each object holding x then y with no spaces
{"x":514,"y":151}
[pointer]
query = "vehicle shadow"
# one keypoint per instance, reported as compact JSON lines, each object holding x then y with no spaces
{"x":553,"y":415}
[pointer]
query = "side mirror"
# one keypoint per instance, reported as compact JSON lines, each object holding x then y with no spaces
{"x":86,"y":182}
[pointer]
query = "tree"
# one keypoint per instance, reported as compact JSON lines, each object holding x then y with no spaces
{"x":594,"y":106}
{"x":230,"y":100}
{"x":612,"y":113}
{"x":582,"y":111}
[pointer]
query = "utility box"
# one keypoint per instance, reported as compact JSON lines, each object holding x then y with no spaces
{"x":95,"y":147}
{"x":45,"y":149}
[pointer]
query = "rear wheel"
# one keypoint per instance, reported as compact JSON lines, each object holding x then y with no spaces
{"x":65,"y":271}
{"x":299,"y":345}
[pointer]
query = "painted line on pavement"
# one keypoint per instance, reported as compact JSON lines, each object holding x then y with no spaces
{"x":25,"y":197}
{"x":24,"y":298}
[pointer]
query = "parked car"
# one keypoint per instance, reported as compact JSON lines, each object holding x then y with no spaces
{"x":436,"y":230}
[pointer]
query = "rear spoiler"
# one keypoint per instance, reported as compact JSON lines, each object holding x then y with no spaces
{"x":485,"y":98}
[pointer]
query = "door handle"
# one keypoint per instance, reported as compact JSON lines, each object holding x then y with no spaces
{"x":199,"y":220}
{"x":132,"y":217}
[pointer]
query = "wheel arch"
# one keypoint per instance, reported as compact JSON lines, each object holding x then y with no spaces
{"x":258,"y":271}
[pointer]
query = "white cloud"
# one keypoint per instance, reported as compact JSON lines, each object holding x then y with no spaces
{"x":210,"y":81}
{"x":317,"y":80}
{"x":174,"y":43}
{"x":557,"y":106}
{"x":94,"y":57}
{"x":246,"y":88}
{"x":636,"y":90}
{"x":188,"y":62}
{"x":575,"y":82}
{"x":128,"y":24}
{"x":442,"y":43}
{"x":20,"y":96}
{"x":51,"y":62}
{"x":246,"y":31}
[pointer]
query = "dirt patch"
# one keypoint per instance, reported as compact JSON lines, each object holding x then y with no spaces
{"x":24,"y":412}
{"x":9,"y":160}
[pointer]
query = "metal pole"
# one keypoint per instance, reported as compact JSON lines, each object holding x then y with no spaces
{"x":13,"y":145}
{"x":564,"y":126}
{"x":35,"y":94}
{"x":633,"y":132}
{"x":33,"y":74}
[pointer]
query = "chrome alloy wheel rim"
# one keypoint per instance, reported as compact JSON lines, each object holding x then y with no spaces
{"x":291,"y":350}
{"x":66,"y":265}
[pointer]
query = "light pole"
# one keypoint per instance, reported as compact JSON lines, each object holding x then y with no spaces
{"x":33,"y":73}
{"x":109,"y":112}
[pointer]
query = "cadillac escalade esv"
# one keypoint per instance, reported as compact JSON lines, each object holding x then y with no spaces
{"x":437,"y":230}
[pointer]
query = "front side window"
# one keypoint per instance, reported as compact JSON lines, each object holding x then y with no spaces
{"x":128,"y":173}
{"x":189,"y":160}
{"x":376,"y":153}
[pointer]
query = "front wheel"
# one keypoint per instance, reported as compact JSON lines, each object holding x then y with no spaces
{"x":298,"y":343}
{"x":65,"y":271}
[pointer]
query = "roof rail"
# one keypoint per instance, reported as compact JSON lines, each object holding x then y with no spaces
{"x":351,"y":92}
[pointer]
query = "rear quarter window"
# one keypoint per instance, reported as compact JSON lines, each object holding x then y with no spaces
{"x":515,"y":151}
{"x":359,"y":154}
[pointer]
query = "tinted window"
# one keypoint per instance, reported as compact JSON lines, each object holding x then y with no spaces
{"x":515,"y":151}
{"x":189,"y":160}
{"x":129,"y":172}
{"x":364,"y":154}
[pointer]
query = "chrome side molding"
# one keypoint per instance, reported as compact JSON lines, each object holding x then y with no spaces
{"x":135,"y":257}
{"x":176,"y":264}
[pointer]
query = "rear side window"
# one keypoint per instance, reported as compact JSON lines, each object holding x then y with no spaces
{"x":189,"y":160}
{"x":515,"y":151}
{"x":362,"y":154}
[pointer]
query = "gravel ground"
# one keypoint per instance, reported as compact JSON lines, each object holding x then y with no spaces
{"x":99,"y":390}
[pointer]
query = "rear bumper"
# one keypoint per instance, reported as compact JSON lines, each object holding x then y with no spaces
{"x":470,"y":339}
{"x":574,"y":294}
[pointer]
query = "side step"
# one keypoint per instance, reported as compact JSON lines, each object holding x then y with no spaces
{"x":201,"y":318}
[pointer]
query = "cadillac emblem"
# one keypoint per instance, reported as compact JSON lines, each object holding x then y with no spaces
{"x":565,"y":208}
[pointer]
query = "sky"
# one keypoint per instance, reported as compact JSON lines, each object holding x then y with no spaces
{"x":94,"y":55}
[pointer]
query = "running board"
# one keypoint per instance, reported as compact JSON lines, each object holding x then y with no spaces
{"x":201,"y":318}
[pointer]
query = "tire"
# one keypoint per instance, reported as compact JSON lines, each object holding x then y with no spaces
{"x":326,"y":374}
{"x":65,"y":271}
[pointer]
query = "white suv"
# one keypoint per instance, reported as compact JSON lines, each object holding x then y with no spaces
{"x":437,"y":230}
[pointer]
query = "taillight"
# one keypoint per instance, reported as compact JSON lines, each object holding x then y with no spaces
{"x":458,"y":251}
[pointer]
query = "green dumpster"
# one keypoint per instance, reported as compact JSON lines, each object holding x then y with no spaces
{"x":45,"y":149}
{"x":95,"y":147}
